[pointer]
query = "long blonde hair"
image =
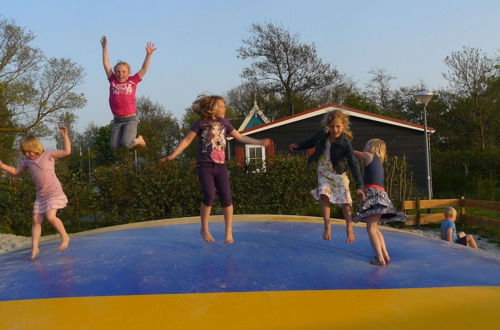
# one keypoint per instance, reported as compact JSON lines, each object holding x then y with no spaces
{"x":377,"y":147}
{"x":204,"y":105}
{"x":330,"y":117}
{"x":31,"y":143}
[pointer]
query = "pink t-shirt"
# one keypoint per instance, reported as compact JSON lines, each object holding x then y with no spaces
{"x":43,"y":175}
{"x":122,"y":95}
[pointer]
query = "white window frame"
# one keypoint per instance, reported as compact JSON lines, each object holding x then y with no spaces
{"x":247,"y":155}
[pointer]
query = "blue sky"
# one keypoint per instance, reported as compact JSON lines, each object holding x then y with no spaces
{"x":197,"y":40}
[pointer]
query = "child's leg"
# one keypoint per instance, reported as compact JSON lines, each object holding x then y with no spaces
{"x":204,"y":231}
{"x":347,"y":211}
{"x":223,"y":187}
{"x":228,"y":219}
{"x":206,"y":177}
{"x":116,"y":134}
{"x":372,"y":230}
{"x":325,"y":211}
{"x":36,"y":232}
{"x":471,"y":241}
{"x":387,"y":258}
{"x":58,"y":225}
{"x":129,"y":136}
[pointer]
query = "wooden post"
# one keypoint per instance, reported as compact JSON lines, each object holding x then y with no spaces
{"x":417,"y":207}
{"x":462,"y":210}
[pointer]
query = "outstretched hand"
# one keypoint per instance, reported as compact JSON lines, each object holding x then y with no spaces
{"x":266,"y":142}
{"x":63,"y":130}
{"x":150,"y":48}
{"x":166,"y":159}
{"x":293,"y":147}
{"x":104,"y":41}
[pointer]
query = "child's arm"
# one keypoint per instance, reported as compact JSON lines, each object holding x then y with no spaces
{"x":67,"y":145}
{"x":248,"y":140}
{"x":310,"y":142}
{"x":150,"y":48}
{"x":11,"y":170}
{"x":449,"y":235}
{"x":181,"y":147}
{"x":105,"y":56}
{"x":353,"y":165}
{"x":364,"y":156}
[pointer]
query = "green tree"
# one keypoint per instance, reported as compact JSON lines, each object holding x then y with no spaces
{"x":470,"y":74}
{"x":34,"y":89}
{"x":159,"y":127}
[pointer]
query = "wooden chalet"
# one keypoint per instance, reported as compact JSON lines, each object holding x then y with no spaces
{"x":402,"y":138}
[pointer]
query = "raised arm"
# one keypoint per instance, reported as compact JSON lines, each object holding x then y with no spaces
{"x":181,"y":147}
{"x":150,"y":48}
{"x":105,"y":56}
{"x":67,"y":144}
{"x":10,"y":169}
{"x":248,"y":140}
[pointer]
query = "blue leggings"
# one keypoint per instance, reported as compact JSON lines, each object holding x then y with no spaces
{"x":214,"y":178}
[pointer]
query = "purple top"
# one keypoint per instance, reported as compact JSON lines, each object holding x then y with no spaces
{"x":43,"y":175}
{"x":212,"y":135}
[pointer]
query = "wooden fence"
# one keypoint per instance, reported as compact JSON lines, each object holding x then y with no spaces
{"x":422,"y":216}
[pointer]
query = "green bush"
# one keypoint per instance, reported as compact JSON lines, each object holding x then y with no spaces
{"x":121,"y":193}
{"x":466,"y":173}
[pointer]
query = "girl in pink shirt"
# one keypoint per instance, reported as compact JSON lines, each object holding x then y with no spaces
{"x":49,"y":194}
{"x":122,"y":88}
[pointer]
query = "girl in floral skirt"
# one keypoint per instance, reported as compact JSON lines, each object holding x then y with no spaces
{"x":377,"y":207}
{"x":335,"y":156}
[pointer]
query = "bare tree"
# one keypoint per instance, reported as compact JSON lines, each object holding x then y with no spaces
{"x":470,"y":73}
{"x":33,"y":89}
{"x":378,"y":88}
{"x":283,"y":64}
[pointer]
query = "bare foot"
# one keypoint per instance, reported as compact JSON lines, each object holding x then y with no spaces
{"x":350,"y":237}
{"x":139,"y":141}
{"x":387,"y":258}
{"x":229,"y":238}
{"x":64,"y":243}
{"x":377,"y":262}
{"x":207,"y":237}
{"x":327,"y":232}
{"x":34,"y":253}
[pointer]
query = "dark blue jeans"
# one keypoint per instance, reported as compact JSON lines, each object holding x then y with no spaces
{"x":214,"y":178}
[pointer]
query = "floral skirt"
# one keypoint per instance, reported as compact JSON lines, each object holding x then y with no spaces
{"x":43,"y":204}
{"x":334,"y":186}
{"x":378,"y":202}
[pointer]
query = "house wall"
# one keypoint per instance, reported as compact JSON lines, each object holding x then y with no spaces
{"x":400,"y":141}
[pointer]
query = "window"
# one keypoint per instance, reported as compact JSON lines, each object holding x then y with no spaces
{"x":255,"y":156}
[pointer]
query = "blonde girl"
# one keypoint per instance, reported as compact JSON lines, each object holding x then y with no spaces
{"x":122,"y":90}
{"x":49,"y":194}
{"x":334,"y":154}
{"x":377,"y":207}
{"x":212,"y":129}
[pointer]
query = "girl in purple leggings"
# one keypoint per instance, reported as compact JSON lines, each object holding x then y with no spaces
{"x":212,"y":130}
